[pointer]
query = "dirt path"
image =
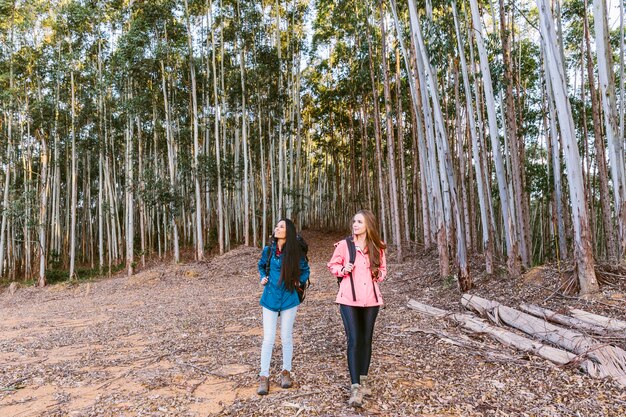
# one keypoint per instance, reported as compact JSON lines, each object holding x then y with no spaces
{"x":185,"y":341}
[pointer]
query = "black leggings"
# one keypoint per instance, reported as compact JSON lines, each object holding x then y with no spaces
{"x":359,"y":325}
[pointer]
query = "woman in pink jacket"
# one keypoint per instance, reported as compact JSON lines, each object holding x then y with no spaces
{"x":359,"y":297}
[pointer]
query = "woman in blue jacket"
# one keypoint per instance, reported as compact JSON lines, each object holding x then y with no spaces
{"x":282,"y":267}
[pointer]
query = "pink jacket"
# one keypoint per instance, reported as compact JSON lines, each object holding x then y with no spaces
{"x":364,"y":286}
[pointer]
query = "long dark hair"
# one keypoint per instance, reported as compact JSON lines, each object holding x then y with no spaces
{"x":292,"y":254}
{"x":373,"y":241}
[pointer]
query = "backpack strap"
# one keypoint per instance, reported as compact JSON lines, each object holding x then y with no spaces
{"x":269,"y":259}
{"x":352,"y":254}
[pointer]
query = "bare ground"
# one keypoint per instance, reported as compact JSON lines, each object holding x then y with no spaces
{"x":185,"y":341}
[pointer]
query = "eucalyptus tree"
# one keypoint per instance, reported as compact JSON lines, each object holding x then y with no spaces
{"x":509,"y":223}
{"x":615,"y":141}
{"x":391,"y":153}
{"x":515,"y":142}
{"x":580,"y":220}
{"x":196,"y":144}
{"x":8,"y":26}
{"x":434,"y":168}
{"x":600,"y":148}
{"x":443,"y":148}
{"x":487,"y":230}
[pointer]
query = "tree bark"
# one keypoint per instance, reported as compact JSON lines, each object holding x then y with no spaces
{"x":391,"y":153}
{"x":615,"y":143}
{"x":580,"y":219}
{"x":509,"y":227}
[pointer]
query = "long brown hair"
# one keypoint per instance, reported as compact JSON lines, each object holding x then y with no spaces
{"x":293,"y":252}
{"x":373,"y":242}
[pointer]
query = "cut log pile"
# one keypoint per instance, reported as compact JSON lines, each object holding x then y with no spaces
{"x":567,"y":343}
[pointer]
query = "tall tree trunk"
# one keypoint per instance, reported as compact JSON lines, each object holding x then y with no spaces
{"x":5,"y":199}
{"x":377,"y":134}
{"x":196,"y":143}
{"x":556,"y":166}
{"x":43,"y":210}
{"x":171,"y":159}
{"x":464,"y":279}
{"x":437,"y":206}
{"x":487,"y":232}
{"x":582,"y":233}
{"x":74,"y":177}
{"x":509,"y":228}
{"x":622,"y":101}
{"x":244,"y":138}
{"x":615,"y":144}
{"x":418,"y":141}
{"x":101,"y":142}
{"x":603,"y":177}
{"x":220,"y":203}
{"x":403,"y":180}
{"x":391,"y":154}
{"x":130,"y":207}
{"x":515,"y":143}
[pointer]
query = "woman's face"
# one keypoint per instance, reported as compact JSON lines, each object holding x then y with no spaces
{"x":280,"y":231}
{"x":358,"y":224}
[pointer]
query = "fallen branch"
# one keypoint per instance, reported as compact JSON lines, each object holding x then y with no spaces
{"x":605,"y":361}
{"x":612,"y":325}
{"x":555,"y":317}
{"x":505,"y":337}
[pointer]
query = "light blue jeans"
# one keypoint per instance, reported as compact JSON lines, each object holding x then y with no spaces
{"x":270,"y":319}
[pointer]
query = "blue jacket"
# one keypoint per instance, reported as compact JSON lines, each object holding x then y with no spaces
{"x":275,"y":296}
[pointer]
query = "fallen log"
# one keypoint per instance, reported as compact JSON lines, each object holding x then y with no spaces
{"x":571,"y":322}
{"x":609,"y":361}
{"x":612,"y":325}
{"x":505,"y":337}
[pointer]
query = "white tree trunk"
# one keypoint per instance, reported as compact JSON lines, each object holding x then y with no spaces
{"x":443,"y":147}
{"x":615,"y":143}
{"x":196,"y":144}
{"x":5,"y":199}
{"x":391,"y":152}
{"x":43,"y":210}
{"x":220,"y":204}
{"x":244,"y":138}
{"x":130,"y":207}
{"x":419,"y":135}
{"x":556,"y":166}
{"x":476,"y":150}
{"x":582,"y":233}
{"x":509,"y":227}
{"x":171,"y":159}
{"x":74,"y":177}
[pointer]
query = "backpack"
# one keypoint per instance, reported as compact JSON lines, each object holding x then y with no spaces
{"x":302,"y":286}
{"x":352,"y":254}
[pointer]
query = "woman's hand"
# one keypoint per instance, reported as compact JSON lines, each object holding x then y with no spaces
{"x":264,"y":281}
{"x":347,"y":268}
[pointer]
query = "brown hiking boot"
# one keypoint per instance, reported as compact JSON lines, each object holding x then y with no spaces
{"x":264,"y":386}
{"x":356,"y":396}
{"x":365,"y":386}
{"x":285,"y":379}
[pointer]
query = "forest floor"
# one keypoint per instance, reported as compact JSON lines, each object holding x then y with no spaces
{"x":184,"y":340}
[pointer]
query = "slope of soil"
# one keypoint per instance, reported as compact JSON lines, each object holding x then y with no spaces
{"x":185,"y":341}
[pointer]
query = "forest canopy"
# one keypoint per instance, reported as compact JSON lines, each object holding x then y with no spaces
{"x":172,"y":128}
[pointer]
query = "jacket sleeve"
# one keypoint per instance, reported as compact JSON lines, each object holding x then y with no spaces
{"x":305,"y":271}
{"x":382,"y":270}
{"x":263,"y":262}
{"x":337,"y":261}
